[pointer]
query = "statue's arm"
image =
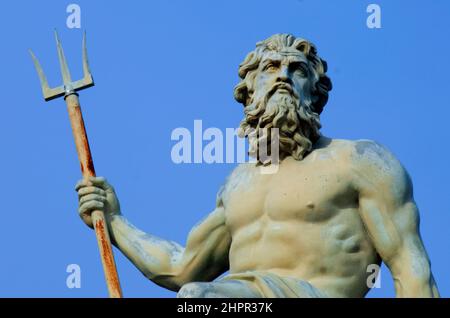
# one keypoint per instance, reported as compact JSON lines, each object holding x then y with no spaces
{"x":391,"y":218}
{"x":167,"y":263}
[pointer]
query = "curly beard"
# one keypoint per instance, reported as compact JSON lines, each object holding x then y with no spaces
{"x":298,"y":126}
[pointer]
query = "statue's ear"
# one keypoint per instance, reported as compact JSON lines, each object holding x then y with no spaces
{"x":320,"y":95}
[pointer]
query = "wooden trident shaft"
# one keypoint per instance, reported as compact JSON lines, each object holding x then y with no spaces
{"x":69,"y":91}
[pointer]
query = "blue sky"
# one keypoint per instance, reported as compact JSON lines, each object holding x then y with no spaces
{"x":160,"y":65}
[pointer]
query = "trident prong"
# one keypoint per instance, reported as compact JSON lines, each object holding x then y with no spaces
{"x":63,"y":64}
{"x":68,"y":86}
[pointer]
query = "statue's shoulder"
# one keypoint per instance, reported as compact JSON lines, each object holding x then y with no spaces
{"x":370,"y":152}
{"x":361,"y":150}
{"x":363,"y":155}
{"x":376,"y":164}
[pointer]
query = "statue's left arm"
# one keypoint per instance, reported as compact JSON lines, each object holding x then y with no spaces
{"x":391,"y":218}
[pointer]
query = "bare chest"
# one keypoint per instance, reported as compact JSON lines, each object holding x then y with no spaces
{"x":310,"y":191}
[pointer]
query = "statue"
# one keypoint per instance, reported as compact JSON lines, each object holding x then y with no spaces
{"x":312,"y":229}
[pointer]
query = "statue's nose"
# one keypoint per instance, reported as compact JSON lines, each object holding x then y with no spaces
{"x":283,"y":74}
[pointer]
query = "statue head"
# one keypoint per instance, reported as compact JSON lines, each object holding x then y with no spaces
{"x":284,"y":85}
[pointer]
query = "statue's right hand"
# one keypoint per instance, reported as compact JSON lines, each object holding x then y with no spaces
{"x":95,"y":193}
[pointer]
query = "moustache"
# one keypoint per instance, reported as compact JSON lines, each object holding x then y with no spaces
{"x":281,"y":86}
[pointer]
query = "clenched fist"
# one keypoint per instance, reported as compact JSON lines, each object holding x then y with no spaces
{"x":95,"y":193}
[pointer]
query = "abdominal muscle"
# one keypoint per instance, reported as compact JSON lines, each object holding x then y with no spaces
{"x":332,"y":257}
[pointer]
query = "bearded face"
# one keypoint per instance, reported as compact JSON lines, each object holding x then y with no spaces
{"x":281,"y":98}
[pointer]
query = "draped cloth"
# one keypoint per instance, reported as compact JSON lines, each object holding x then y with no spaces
{"x":270,"y":285}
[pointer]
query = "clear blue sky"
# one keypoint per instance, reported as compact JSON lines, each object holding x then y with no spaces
{"x":159,"y":65}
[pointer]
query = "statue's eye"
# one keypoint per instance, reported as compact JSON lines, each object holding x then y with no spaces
{"x":270,"y":67}
{"x":300,"y":69}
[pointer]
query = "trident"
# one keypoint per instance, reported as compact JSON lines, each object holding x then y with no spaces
{"x":69,"y":90}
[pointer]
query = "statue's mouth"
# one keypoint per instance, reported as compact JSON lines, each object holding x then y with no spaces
{"x":283,"y":91}
{"x":283,"y":88}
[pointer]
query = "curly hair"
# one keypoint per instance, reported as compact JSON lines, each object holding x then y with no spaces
{"x":247,"y":69}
